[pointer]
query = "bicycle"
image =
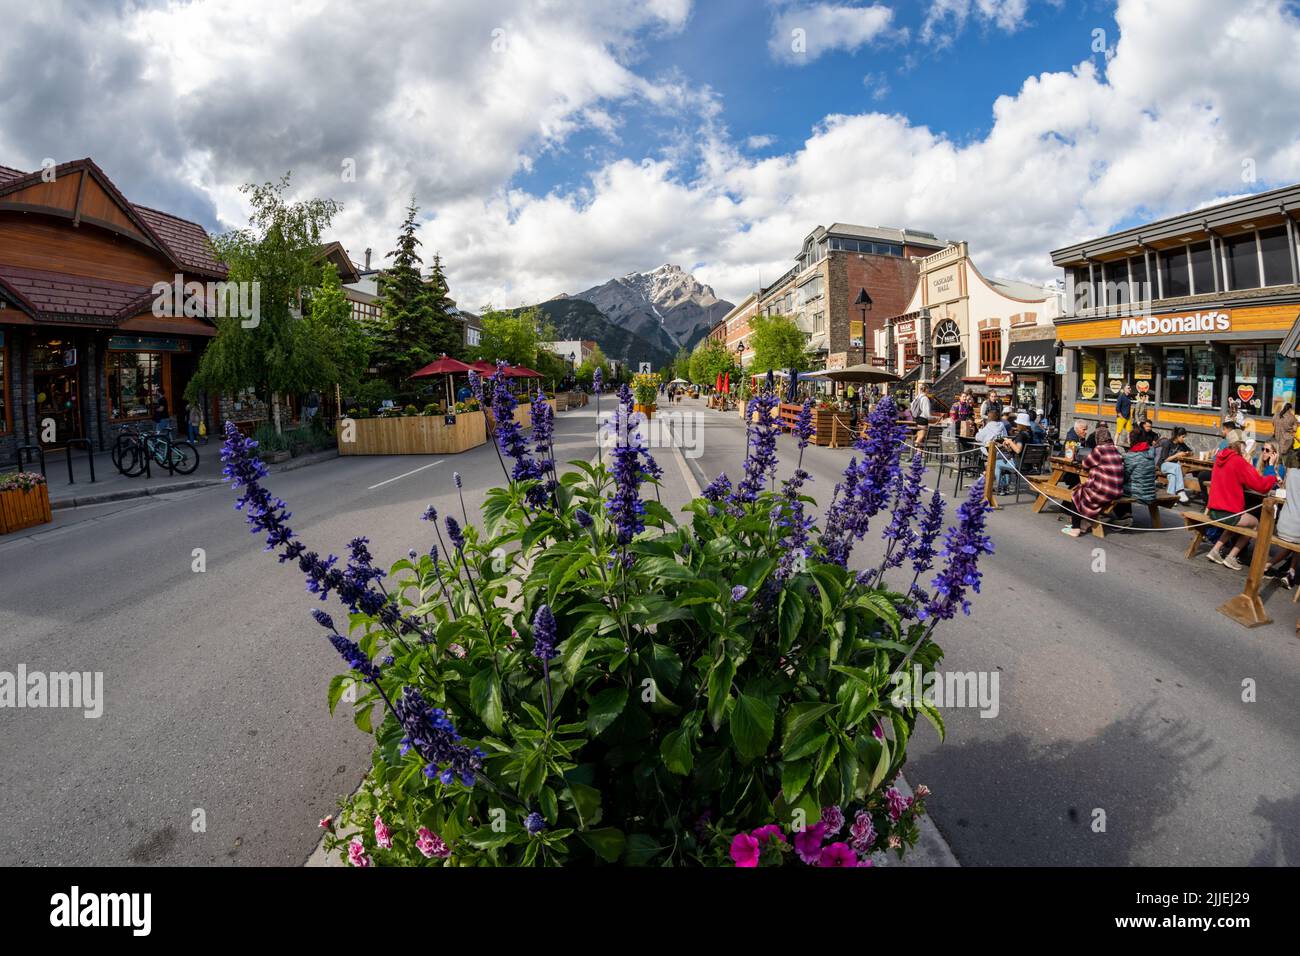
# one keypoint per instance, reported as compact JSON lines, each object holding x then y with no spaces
{"x":134,"y":451}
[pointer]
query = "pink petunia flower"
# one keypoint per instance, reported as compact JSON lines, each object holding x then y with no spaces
{"x":327,"y":823}
{"x":897,"y":804}
{"x":357,"y":854}
{"x":431,"y":845}
{"x":838,"y":854}
{"x":808,"y":844}
{"x":833,"y":817}
{"x":769,"y":832}
{"x":878,"y":732}
{"x":922,"y":791}
{"x":744,"y":850}
{"x":863,"y":831}
{"x":383,"y":836}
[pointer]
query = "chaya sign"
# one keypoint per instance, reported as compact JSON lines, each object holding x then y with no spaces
{"x":1192,"y":323}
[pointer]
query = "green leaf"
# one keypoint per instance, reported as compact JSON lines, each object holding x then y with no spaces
{"x":485,"y":695}
{"x":792,"y":614}
{"x":676,"y":752}
{"x":641,"y":849}
{"x":607,"y":842}
{"x":586,"y":801}
{"x":720,"y":679}
{"x":485,"y":838}
{"x":363,"y":715}
{"x":605,"y":708}
{"x":800,"y":717}
{"x":338,"y":687}
{"x":752,"y":724}
{"x":934,"y":716}
{"x":533,"y":774}
{"x":794,"y":777}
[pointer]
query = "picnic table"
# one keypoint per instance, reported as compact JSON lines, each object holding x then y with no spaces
{"x":1050,"y":488}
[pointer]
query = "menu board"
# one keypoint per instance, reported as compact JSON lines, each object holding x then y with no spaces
{"x":1115,"y":363}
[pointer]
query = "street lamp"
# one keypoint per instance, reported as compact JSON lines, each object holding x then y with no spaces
{"x":863,"y":303}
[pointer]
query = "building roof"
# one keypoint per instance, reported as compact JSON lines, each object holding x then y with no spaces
{"x":1020,"y":290}
{"x":1284,"y":201}
{"x":185,"y":243}
{"x":56,"y":293}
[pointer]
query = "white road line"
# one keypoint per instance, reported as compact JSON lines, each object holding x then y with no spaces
{"x":389,"y":481}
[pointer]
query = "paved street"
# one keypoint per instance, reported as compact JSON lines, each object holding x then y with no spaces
{"x":1118,"y":690}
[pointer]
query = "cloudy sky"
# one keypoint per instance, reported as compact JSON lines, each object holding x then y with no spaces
{"x":553,"y":144}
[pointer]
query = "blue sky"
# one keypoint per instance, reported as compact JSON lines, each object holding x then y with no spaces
{"x":725,"y":47}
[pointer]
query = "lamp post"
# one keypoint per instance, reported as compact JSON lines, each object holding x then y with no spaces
{"x":863,"y":304}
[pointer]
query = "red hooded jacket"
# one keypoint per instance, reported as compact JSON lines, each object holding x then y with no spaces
{"x":1231,"y":474}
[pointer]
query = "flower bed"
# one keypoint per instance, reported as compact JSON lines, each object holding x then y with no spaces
{"x":24,"y":501}
{"x":586,"y":679}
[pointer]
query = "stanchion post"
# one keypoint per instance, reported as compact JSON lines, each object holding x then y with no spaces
{"x":1246,"y":608}
{"x":990,"y":477}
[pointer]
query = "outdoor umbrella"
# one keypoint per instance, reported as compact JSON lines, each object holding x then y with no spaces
{"x":521,"y":371}
{"x":792,"y":387}
{"x":483,"y":368}
{"x":717,"y":386}
{"x":445,"y":366}
{"x":726,"y":383}
{"x":858,"y":373}
{"x":771,"y":381}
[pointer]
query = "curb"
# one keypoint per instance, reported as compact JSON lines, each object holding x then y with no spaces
{"x":149,"y":491}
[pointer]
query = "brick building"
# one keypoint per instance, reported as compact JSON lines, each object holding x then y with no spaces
{"x":833,"y":267}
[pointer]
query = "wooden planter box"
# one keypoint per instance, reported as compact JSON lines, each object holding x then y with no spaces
{"x":24,"y":509}
{"x":647,"y":410}
{"x":414,"y":435}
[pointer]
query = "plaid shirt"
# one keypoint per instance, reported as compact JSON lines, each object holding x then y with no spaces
{"x":1105,"y":482}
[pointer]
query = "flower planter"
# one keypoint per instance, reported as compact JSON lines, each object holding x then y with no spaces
{"x":647,"y":410}
{"x":24,"y":508}
{"x":413,"y":435}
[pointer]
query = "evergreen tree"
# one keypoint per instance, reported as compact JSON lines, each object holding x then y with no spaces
{"x":450,"y":337}
{"x":417,"y":328}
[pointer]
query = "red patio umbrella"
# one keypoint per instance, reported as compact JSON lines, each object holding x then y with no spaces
{"x":521,"y":371}
{"x":444,"y":366}
{"x":717,"y":386}
{"x":726,"y":383}
{"x":483,"y":368}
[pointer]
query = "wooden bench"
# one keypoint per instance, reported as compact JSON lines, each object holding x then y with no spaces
{"x":1048,"y":488}
{"x":1246,"y":608}
{"x":1197,"y":522}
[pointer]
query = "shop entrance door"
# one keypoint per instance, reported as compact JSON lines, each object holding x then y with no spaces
{"x":58,"y":409}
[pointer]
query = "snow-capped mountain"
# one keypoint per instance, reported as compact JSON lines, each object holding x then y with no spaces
{"x":667,"y":307}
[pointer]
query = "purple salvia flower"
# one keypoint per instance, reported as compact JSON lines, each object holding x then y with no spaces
{"x":430,"y":732}
{"x":922,"y":552}
{"x":867,"y":483}
{"x":719,"y":488}
{"x":583,"y":519}
{"x":803,"y":426}
{"x":907,"y":502}
{"x":963,"y":546}
{"x":760,"y":457}
{"x":455,"y":534}
{"x":349,"y":650}
{"x":598,"y":380}
{"x":544,"y":634}
{"x":738,"y":593}
{"x":510,"y":439}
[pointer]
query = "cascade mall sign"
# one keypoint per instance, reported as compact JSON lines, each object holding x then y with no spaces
{"x":1193,"y":323}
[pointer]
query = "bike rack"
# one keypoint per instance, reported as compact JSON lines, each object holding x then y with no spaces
{"x":90,"y":456}
{"x":40,"y":452}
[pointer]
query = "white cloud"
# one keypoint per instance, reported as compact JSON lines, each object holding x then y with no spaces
{"x":945,"y":19}
{"x":877,"y":85}
{"x":761,"y":141}
{"x":804,"y":31}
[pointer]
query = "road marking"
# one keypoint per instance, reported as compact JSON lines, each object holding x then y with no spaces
{"x":407,"y":475}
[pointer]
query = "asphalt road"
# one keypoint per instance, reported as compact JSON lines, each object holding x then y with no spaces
{"x":1119,"y":690}
{"x":215,"y":682}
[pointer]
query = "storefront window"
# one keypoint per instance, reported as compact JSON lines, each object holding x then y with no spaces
{"x":1243,"y":261}
{"x":991,"y":350}
{"x":1177,"y":382}
{"x":1275,"y":250}
{"x":1202,"y":268}
{"x":1144,"y":375}
{"x":1261,"y":380}
{"x":1205,"y":385}
{"x":1174,"y":275}
{"x":134,"y":379}
{"x":1118,"y":365}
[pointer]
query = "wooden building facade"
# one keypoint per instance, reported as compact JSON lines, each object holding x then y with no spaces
{"x":84,"y":346}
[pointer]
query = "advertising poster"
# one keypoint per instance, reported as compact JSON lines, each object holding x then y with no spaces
{"x":1283,"y":393}
{"x":1205,"y":393}
{"x":1088,"y":377}
{"x":1176,"y":366}
{"x":1247,"y":365}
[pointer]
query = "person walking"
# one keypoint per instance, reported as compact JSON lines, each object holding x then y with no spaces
{"x":1104,"y":484}
{"x":1169,"y":455}
{"x":161,"y":419}
{"x":920,"y":409}
{"x":192,"y":421}
{"x":1231,"y":477}
{"x":1284,"y":427}
{"x":1123,"y":411}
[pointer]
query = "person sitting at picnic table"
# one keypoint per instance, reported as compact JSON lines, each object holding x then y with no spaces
{"x":1231,"y":476}
{"x":1037,"y":428}
{"x":1010,"y":448}
{"x":1288,"y":522}
{"x":1169,"y":454}
{"x":1139,"y":477}
{"x":993,"y":431}
{"x":1226,"y":427}
{"x":1104,"y":484}
{"x":1077,"y":444}
{"x":1268,"y":462}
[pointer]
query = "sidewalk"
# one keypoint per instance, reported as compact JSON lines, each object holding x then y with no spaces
{"x":111,"y":485}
